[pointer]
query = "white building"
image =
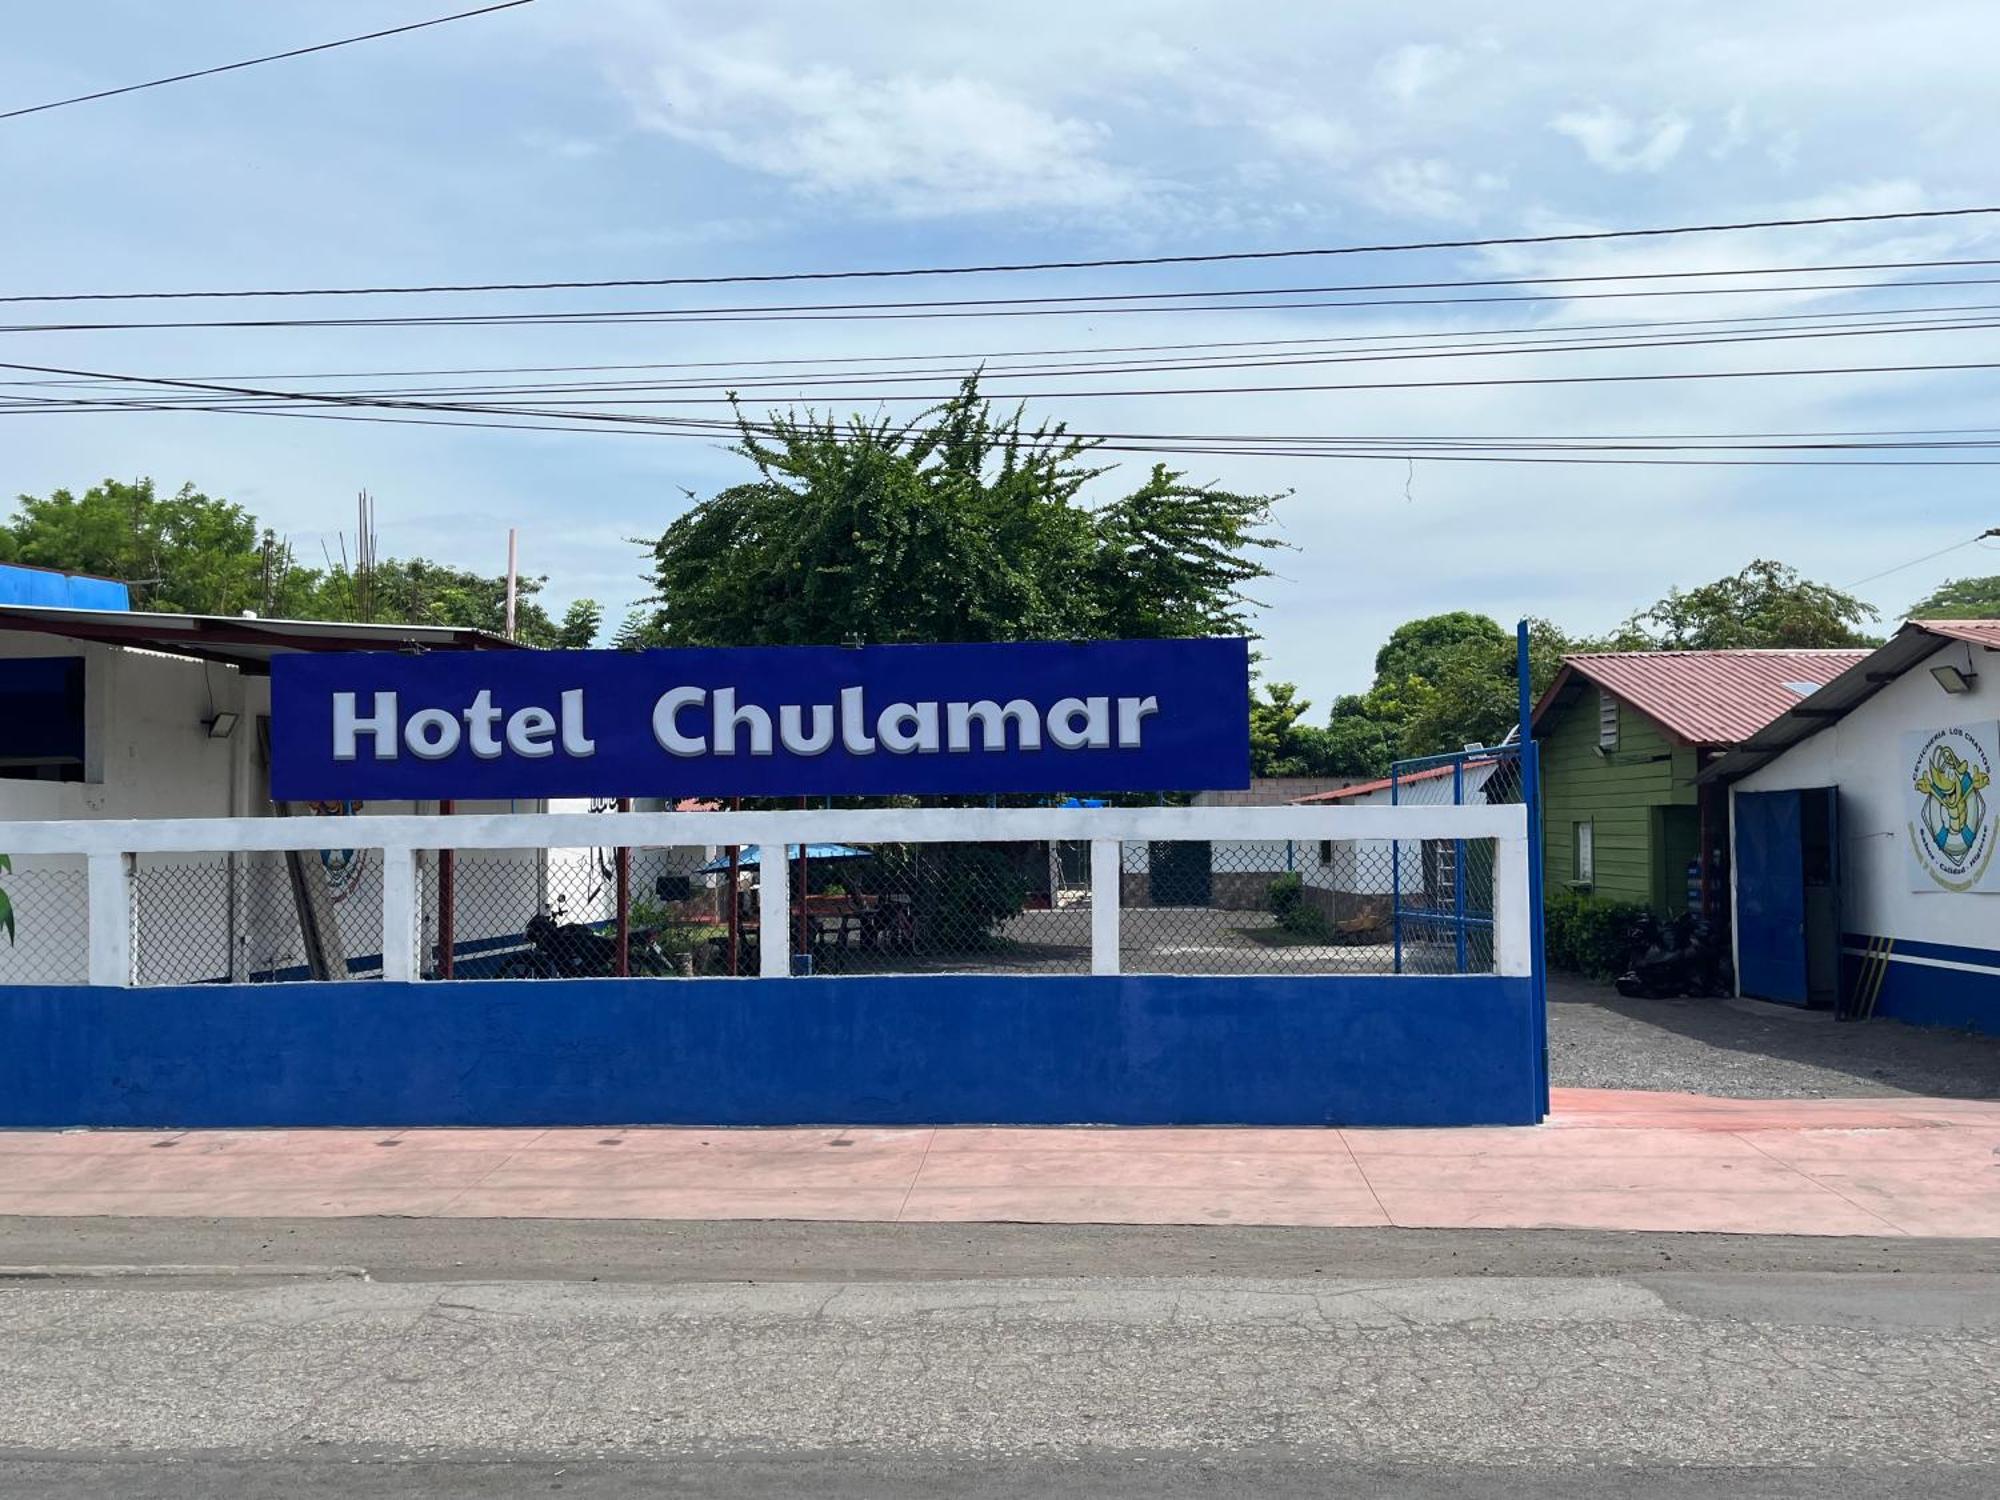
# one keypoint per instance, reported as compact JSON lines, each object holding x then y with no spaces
{"x":1864,"y":825}
{"x":115,"y":713}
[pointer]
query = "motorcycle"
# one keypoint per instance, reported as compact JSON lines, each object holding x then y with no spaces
{"x":576,"y":950}
{"x":1680,"y":957}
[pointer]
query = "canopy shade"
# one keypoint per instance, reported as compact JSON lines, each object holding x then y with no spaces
{"x":748,"y":859}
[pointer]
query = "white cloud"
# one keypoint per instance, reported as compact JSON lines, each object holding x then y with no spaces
{"x":1310,"y":134}
{"x":1430,"y":188}
{"x":1410,"y":71}
{"x":1617,"y":143}
{"x":917,"y":144}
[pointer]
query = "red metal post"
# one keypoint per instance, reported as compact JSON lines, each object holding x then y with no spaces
{"x":805,"y":917}
{"x":621,"y":864}
{"x":447,"y":902}
{"x":735,"y":909}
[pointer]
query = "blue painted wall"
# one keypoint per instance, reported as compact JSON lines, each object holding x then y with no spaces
{"x":56,"y":590}
{"x":922,"y":1050}
{"x":1926,"y":994}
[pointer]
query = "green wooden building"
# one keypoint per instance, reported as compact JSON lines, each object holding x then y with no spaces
{"x":1622,"y":737}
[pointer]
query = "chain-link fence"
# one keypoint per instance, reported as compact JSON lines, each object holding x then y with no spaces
{"x":554,"y":914}
{"x":45,"y":934}
{"x":1259,"y":905}
{"x":1014,"y":908}
{"x":1303,"y":907}
{"x":256,"y":918}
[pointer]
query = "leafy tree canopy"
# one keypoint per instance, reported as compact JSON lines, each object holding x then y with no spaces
{"x":1767,"y":604}
{"x":188,"y":553}
{"x":957,"y":525}
{"x":1960,"y":599}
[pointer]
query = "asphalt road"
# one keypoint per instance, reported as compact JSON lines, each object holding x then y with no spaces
{"x":367,"y":1358}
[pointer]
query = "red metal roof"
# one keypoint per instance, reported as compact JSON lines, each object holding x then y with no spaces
{"x":1362,"y":788}
{"x":1707,"y":697}
{"x":1980,"y":632}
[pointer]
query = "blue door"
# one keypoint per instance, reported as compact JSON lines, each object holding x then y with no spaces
{"x":1771,"y":896}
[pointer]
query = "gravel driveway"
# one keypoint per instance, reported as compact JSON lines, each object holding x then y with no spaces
{"x":1747,"y":1049}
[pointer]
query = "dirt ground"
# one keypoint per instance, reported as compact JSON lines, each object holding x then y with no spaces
{"x":1748,"y":1049}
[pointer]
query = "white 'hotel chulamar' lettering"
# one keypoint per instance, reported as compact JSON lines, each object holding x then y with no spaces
{"x":434,"y":733}
{"x":899,"y":728}
{"x":927,"y":727}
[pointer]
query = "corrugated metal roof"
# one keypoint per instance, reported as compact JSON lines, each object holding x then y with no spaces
{"x":246,"y":641}
{"x":1980,"y":632}
{"x":1705,"y":697}
{"x":1363,"y":788}
{"x":1911,"y":646}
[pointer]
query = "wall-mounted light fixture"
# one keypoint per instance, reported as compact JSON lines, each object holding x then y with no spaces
{"x":221,"y":727}
{"x":1955,"y":681}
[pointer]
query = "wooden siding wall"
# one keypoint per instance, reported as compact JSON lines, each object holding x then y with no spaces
{"x":1616,"y":792}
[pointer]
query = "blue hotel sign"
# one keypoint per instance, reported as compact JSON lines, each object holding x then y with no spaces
{"x":1112,"y":716}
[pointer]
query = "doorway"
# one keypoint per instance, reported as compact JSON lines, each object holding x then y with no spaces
{"x":1788,"y":895}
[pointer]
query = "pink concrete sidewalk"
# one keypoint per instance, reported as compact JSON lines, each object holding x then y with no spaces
{"x":1605,"y":1160}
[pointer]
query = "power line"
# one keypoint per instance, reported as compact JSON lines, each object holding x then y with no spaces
{"x":747,"y":278}
{"x":714,"y":426}
{"x":1927,"y":557}
{"x":614,"y":391}
{"x":982,"y":358}
{"x":1145,"y":448}
{"x":251,"y":62}
{"x":979,"y":308}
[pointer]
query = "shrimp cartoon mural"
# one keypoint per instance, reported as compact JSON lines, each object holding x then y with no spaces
{"x":1952,"y":830}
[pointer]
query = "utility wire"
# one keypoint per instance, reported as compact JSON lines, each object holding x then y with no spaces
{"x":713,"y":426}
{"x":1927,"y":557}
{"x":614,"y":391}
{"x":1143,"y":449}
{"x":983,"y":359}
{"x":747,"y":278}
{"x":251,"y":62}
{"x":872,"y":312}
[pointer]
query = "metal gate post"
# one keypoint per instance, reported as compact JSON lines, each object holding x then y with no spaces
{"x":1531,"y":796}
{"x":1458,"y":861}
{"x":1395,"y":877}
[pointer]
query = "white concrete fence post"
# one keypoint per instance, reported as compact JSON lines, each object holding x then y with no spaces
{"x":1513,"y":930}
{"x":402,"y":915}
{"x":110,"y":918}
{"x":1106,"y":896}
{"x":774,"y":910}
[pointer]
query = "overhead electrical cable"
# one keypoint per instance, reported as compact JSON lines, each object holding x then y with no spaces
{"x":869,"y":312}
{"x":251,"y":62}
{"x":983,"y":358}
{"x":749,"y":278}
{"x":630,"y":393}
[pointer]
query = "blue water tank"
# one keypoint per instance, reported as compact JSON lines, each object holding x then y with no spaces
{"x":51,"y":588}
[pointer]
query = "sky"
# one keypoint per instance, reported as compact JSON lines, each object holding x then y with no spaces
{"x":594,"y":139}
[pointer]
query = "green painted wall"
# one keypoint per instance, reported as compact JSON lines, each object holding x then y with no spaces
{"x":1617,"y":793}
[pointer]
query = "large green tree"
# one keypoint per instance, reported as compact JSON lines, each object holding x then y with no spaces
{"x":1960,"y":599}
{"x":189,"y":553}
{"x":1767,"y":604}
{"x":183,"y":552}
{"x":959,"y":524}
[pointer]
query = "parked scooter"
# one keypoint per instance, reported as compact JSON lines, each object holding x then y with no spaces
{"x":1680,"y":957}
{"x":575,"y":950}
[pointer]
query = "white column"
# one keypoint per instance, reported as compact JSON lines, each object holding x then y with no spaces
{"x":774,"y":912}
{"x":1106,"y":894}
{"x":1513,"y":934}
{"x":402,"y":915}
{"x":110,"y":918}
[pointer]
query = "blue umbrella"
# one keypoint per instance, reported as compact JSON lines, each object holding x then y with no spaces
{"x":749,"y":857}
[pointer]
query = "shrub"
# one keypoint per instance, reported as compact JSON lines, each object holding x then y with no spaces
{"x":1588,"y":935}
{"x":959,"y":893}
{"x":1286,"y":896}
